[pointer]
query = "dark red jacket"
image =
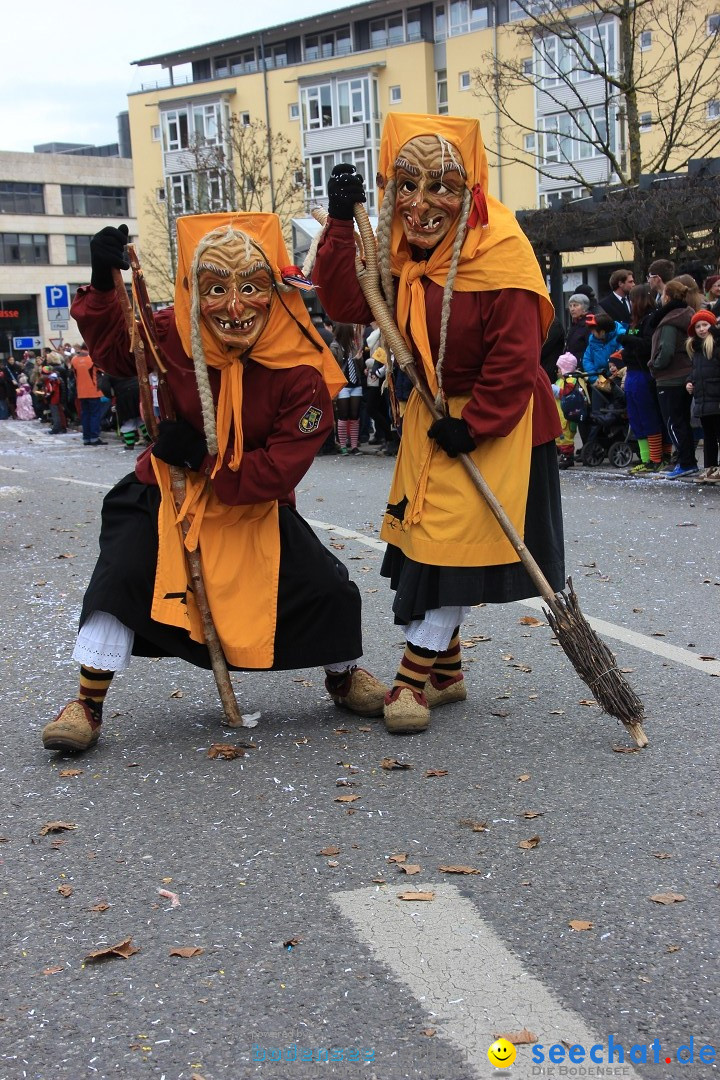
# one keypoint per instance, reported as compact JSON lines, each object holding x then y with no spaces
{"x":277,"y":452}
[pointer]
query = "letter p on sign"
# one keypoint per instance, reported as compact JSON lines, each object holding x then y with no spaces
{"x":56,"y":296}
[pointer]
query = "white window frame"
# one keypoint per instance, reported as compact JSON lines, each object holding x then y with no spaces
{"x":464,"y":80}
{"x":562,"y":140}
{"x":357,"y":104}
{"x":386,"y":35}
{"x":529,"y":142}
{"x":395,"y":95}
{"x":207,"y":124}
{"x":441,"y":82}
{"x":155,"y":133}
{"x":440,"y":20}
{"x":645,"y":122}
{"x":712,"y":110}
{"x":327,"y":43}
{"x":645,"y":41}
{"x":713,"y":23}
{"x":319,"y":96}
{"x":294,"y":110}
{"x":172,"y":125}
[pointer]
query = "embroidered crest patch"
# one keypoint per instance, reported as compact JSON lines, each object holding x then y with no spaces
{"x":310,"y":420}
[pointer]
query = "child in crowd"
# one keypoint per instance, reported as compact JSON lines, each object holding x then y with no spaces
{"x":54,"y":395}
{"x":24,"y":406}
{"x":703,"y":348}
{"x":572,"y":406}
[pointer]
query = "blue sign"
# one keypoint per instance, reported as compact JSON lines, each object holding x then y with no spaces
{"x":27,"y":342}
{"x":56,"y":296}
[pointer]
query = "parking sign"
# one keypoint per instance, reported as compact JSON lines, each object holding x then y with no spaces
{"x":57,"y":296}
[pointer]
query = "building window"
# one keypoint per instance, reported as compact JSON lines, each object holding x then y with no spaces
{"x":645,"y":121}
{"x":85,"y":201}
{"x":316,"y":105}
{"x":529,"y":143}
{"x":713,"y":24}
{"x":387,"y":31}
{"x":353,"y":103}
{"x":561,"y":62}
{"x":21,"y":198}
{"x":554,"y":199}
{"x":440,"y":22}
{"x":413,"y":25}
{"x":464,"y":80}
{"x":24,"y":249}
{"x":243,"y":63}
{"x":332,"y":43}
{"x":319,"y":168}
{"x":441,"y":91}
{"x":527,"y":65}
{"x":645,"y":40}
{"x":276,"y":56}
{"x":155,"y":133}
{"x":245,"y":119}
{"x":713,"y":110}
{"x":77,"y":250}
{"x":206,"y":124}
{"x":575,"y":138}
{"x":294,"y":110}
{"x":468,"y":15}
{"x":176,"y":129}
{"x":180,"y":193}
{"x":395,"y":95}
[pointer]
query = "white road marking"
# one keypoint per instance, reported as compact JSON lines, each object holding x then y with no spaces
{"x":471,"y":986}
{"x":601,"y":626}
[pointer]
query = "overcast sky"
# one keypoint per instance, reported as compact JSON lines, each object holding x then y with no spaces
{"x":66,"y":69}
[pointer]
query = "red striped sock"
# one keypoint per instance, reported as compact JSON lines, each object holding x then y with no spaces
{"x":354,"y":432}
{"x":448,"y":664}
{"x":342,"y":429}
{"x":415,"y":667}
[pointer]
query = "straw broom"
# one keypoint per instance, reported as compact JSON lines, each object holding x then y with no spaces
{"x":177,"y":475}
{"x":590,"y":656}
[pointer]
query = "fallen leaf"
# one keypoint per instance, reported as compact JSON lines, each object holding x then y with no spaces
{"x":458,"y":870}
{"x":333,"y":862}
{"x":177,"y":694}
{"x":338,"y":547}
{"x":436,"y":772}
{"x":364,"y":729}
{"x":330,"y":851}
{"x":476,"y":826}
{"x":587,"y":701}
{"x":347,"y":798}
{"x":673,"y":948}
{"x":530,"y":620}
{"x":341,"y":731}
{"x":392,"y":763}
{"x":65,"y":890}
{"x":70,"y":772}
{"x":708,"y":657}
{"x":52,"y":970}
{"x":56,"y":826}
{"x":533,"y":814}
{"x":429,"y":1032}
{"x":557,"y":712}
{"x":518,"y":1038}
{"x":531,"y":843}
{"x":523,"y":778}
{"x":662,"y":855}
{"x":379,"y":881}
{"x":123,"y":948}
{"x":625,"y":749}
{"x":102,"y":906}
{"x":291,"y":942}
{"x":644,"y":978}
{"x":410,"y":868}
{"x":507,"y":656}
{"x":627,"y":670}
{"x":500,"y":713}
{"x":398,"y":858}
{"x":416,"y":896}
{"x":522,"y":667}
{"x":668,"y":898}
{"x":187,"y":951}
{"x":66,"y":555}
{"x":226,"y":751}
{"x":658,"y":633}
{"x":580,"y":924}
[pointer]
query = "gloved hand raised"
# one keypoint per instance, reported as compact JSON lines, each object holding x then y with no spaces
{"x":178,"y":443}
{"x":345,"y":188}
{"x":453,"y":436}
{"x":107,"y":253}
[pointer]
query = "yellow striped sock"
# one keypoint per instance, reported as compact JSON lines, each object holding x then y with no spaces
{"x":94,"y":685}
{"x":415,"y":667}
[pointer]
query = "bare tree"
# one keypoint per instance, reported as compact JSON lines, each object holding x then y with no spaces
{"x":664,"y":59}
{"x":250,"y":170}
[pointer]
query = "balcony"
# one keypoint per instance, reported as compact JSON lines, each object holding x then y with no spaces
{"x":325,"y":140}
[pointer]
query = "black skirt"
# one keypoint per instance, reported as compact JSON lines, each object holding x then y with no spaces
{"x":318,"y":607}
{"x":420,"y":588}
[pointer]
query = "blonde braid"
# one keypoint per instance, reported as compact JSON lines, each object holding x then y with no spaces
{"x":202,"y":378}
{"x":449,"y":283}
{"x":384,"y":233}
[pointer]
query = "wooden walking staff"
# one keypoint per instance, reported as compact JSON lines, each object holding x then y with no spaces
{"x":590,"y":656}
{"x":177,"y":475}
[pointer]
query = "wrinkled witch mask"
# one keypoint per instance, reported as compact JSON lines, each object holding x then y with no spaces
{"x":235,"y":288}
{"x":430,"y":184}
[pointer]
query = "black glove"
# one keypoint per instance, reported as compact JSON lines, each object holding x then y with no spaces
{"x":107,"y":253}
{"x":345,"y":188}
{"x":453,"y":436}
{"x":178,"y":443}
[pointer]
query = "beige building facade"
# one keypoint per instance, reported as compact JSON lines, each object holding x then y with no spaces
{"x":50,"y":206}
{"x":327,"y":83}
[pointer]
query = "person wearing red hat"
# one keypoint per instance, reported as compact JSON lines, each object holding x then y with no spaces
{"x":703,"y":348}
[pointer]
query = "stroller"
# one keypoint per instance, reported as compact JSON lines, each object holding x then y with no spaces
{"x":610,"y":435}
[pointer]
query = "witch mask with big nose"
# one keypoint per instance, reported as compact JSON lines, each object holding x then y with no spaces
{"x":430,"y":184}
{"x":235,"y":288}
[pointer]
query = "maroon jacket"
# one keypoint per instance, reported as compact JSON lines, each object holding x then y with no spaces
{"x":277,"y":452}
{"x":493,"y":342}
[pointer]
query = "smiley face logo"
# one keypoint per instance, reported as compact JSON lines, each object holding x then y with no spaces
{"x":501,"y":1054}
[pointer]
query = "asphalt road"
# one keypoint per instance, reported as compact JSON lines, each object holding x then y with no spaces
{"x":307,"y":948}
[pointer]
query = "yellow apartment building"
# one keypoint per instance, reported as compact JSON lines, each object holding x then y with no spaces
{"x":327,"y":82}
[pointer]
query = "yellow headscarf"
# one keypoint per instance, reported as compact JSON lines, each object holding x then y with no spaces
{"x":496,"y":253}
{"x":280,"y":345}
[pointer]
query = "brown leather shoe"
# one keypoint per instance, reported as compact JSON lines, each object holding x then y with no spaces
{"x":74,"y":728}
{"x":406,"y":711}
{"x":436,"y":695}
{"x":361,"y":693}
